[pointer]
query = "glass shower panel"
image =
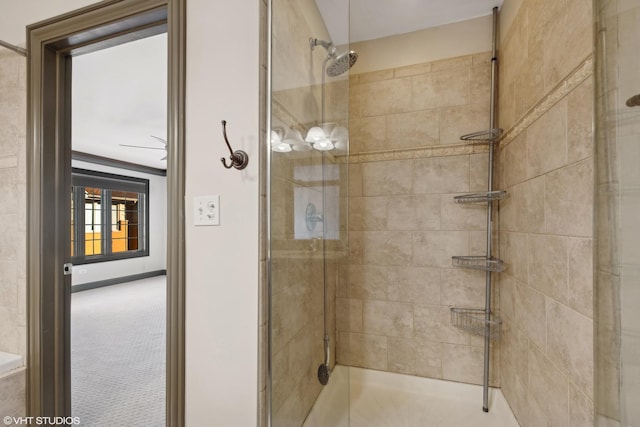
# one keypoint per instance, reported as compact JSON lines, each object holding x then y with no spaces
{"x":308,"y":218}
{"x":617,"y":293}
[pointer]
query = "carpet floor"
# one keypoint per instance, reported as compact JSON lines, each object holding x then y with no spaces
{"x":118,"y":347}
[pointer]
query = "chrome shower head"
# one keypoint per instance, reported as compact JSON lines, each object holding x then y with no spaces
{"x":329,"y":47}
{"x":342,"y":63}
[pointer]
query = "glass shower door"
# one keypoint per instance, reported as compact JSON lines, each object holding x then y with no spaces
{"x":617,"y":293}
{"x":308,"y":238}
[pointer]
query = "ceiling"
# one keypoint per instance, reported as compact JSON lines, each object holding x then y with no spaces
{"x":114,"y":106}
{"x":373,"y":19}
{"x":119,"y":98}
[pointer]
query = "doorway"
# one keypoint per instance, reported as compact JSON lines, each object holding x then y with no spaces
{"x":52,"y":45}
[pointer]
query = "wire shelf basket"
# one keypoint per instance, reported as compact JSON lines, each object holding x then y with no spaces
{"x":481,"y":197}
{"x":483,"y":137}
{"x":473,"y":320}
{"x":479,"y":263}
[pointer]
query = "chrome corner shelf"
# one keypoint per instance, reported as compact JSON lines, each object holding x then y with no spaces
{"x":483,"y":137}
{"x":489,"y":196}
{"x":474,"y":321}
{"x":479,"y":263}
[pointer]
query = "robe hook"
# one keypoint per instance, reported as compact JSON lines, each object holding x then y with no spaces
{"x":239,"y":159}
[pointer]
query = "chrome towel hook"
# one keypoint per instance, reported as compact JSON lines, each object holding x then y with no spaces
{"x":239,"y":159}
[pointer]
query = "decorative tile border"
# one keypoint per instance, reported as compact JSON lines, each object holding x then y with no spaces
{"x":415,"y":153}
{"x":562,"y":89}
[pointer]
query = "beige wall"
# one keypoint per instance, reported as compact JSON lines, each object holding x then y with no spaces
{"x":545,"y":225}
{"x":406,"y":166}
{"x":432,"y":44}
{"x":222,"y":262}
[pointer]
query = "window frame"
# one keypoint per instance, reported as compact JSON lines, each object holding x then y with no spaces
{"x":107,"y":182}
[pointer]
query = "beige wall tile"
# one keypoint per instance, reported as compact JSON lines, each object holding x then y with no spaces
{"x":415,"y":357}
{"x":440,"y":89}
{"x":367,"y":351}
{"x":568,"y":344}
{"x":462,"y":216}
{"x":547,"y":141}
{"x":463,"y":288}
{"x":355,"y":179}
{"x":388,"y":248}
{"x":480,"y":79}
{"x":569,"y":200}
{"x":548,"y":391}
{"x":375,"y":76}
{"x":441,"y":175}
{"x":548,"y":265}
{"x":531,"y":314}
{"x":396,"y":93}
{"x":459,"y":62}
{"x":580,"y":122}
{"x":580,"y":408}
{"x":417,"y":285}
{"x":461,"y":120}
{"x":463,"y":363}
{"x":9,"y":285}
{"x":515,"y":161}
{"x":528,"y":200}
{"x":435,"y":248}
{"x":479,"y":172}
{"x":412,"y":70}
{"x":388,"y":318}
{"x":580,"y":290}
{"x":349,"y":315}
{"x":413,"y":129}
{"x":368,"y":281}
{"x":507,"y":285}
{"x":418,"y":212}
{"x":367,"y":213}
{"x":514,"y":252}
{"x":368,"y":134}
{"x":13,"y":394}
{"x":390,"y":178}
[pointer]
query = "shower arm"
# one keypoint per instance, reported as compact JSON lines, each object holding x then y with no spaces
{"x":16,"y":49}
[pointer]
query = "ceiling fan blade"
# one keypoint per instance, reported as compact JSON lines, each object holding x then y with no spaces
{"x":140,"y":146}
{"x":164,"y":141}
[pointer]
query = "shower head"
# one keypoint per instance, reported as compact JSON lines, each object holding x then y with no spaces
{"x":328,"y":46}
{"x":342,"y":63}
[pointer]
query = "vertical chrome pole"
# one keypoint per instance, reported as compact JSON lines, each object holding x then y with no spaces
{"x":487,"y":308}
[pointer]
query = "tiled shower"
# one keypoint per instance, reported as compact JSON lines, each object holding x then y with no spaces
{"x":391,"y":277}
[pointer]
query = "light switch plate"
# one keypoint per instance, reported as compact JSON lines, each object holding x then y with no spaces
{"x":206,"y":210}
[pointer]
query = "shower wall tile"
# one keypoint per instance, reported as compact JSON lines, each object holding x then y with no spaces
{"x":545,"y":107}
{"x":461,"y":120}
{"x":414,"y":285}
{"x":391,"y":319}
{"x":415,"y":356}
{"x":547,"y":142}
{"x":437,"y":175}
{"x":395,"y":92}
{"x":569,"y":200}
{"x":387,"y":178}
{"x":414,"y":129}
{"x":363,"y":350}
{"x":568,"y":345}
{"x":405,"y":225}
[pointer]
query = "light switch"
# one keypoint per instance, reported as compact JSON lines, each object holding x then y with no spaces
{"x":206,"y":210}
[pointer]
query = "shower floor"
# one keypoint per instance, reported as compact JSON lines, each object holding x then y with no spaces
{"x":358,"y":397}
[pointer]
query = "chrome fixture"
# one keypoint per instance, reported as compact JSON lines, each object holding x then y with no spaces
{"x":16,"y":49}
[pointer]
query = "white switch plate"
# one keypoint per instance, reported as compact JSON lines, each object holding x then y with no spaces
{"x":206,"y":210}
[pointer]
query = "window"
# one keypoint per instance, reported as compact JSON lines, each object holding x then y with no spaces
{"x":109,"y":217}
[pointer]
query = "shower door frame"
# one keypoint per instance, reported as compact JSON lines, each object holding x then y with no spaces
{"x":49,"y":44}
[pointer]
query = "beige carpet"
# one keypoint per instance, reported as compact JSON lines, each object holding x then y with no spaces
{"x":118,"y":354}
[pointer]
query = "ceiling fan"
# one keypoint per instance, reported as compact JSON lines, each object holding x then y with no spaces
{"x":163,"y":141}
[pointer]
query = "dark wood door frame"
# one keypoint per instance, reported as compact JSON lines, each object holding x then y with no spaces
{"x":51,"y":44}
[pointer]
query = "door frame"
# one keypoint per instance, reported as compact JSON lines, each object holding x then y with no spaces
{"x":50,"y":44}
